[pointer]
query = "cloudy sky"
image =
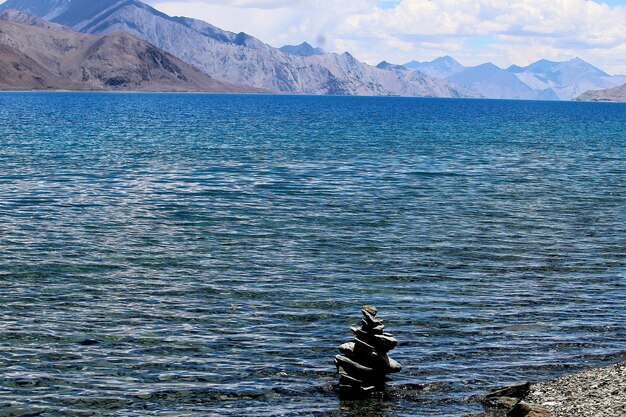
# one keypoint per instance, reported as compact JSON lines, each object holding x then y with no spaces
{"x":473,"y":31}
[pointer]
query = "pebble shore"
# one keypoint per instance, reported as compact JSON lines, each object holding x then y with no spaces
{"x":597,"y":392}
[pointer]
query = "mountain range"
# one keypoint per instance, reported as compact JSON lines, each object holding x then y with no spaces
{"x":237,"y":58}
{"x":240,"y":61}
{"x":36,"y":54}
{"x":442,"y":67}
{"x":542,"y":80}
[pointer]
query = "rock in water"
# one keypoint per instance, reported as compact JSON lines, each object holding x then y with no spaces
{"x":528,"y":410}
{"x":363,"y":365}
{"x":507,"y":397}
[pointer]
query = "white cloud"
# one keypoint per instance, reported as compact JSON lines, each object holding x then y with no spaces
{"x":276,"y":22}
{"x":505,"y":32}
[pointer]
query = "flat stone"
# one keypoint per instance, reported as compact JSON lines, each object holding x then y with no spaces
{"x":354,"y":368}
{"x":361,"y":346}
{"x":506,"y":403}
{"x":370,"y":309}
{"x":371,"y":321}
{"x":381,"y":342}
{"x":366,"y":353}
{"x":394,"y":366}
{"x":345,"y":379}
{"x":378,"y":329}
{"x":387,"y":343}
{"x":507,"y":397}
{"x":518,"y":391}
{"x":366,"y":327}
{"x":363,"y":336}
{"x":347,"y":348}
{"x":528,"y":410}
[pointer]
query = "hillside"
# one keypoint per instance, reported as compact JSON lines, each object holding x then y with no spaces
{"x":20,"y":72}
{"x":37,"y":55}
{"x":612,"y":94}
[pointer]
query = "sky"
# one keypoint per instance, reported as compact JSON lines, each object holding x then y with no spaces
{"x":504,"y":32}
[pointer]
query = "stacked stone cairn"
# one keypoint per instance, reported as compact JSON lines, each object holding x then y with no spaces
{"x":363,"y":365}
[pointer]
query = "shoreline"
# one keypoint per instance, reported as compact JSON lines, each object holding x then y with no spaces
{"x":595,"y":392}
{"x":296,"y":94}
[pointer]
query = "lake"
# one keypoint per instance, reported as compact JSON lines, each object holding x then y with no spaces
{"x":199,"y":255}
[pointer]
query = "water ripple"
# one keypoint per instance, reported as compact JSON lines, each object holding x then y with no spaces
{"x":197,"y":255}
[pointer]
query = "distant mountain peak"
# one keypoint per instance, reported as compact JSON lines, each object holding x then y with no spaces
{"x":584,"y":64}
{"x":515,"y":68}
{"x":494,"y":82}
{"x":546,"y":61}
{"x":384,"y":65}
{"x":574,"y":67}
{"x":304,"y":49}
{"x":489,"y":65}
{"x":445,"y":59}
{"x":441,"y":67}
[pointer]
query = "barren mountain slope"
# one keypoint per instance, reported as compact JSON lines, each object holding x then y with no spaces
{"x":611,"y":94}
{"x":20,"y":72}
{"x":113,"y":62}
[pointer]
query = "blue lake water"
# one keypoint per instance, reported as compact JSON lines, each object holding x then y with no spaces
{"x":214,"y":249}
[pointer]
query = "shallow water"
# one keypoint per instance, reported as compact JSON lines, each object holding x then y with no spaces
{"x":211,"y":250}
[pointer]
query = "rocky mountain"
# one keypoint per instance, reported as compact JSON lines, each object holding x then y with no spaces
{"x":236,"y":57}
{"x":12,"y":15}
{"x":408,"y":78}
{"x":304,"y":49}
{"x":611,"y":94}
{"x":494,"y":82}
{"x":565,"y":79}
{"x":442,"y":67}
{"x":39,"y":55}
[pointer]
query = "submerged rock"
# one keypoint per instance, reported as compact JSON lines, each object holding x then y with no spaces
{"x":523,"y":409}
{"x":363,"y":364}
{"x":510,"y":401}
{"x":506,"y":397}
{"x":89,"y":342}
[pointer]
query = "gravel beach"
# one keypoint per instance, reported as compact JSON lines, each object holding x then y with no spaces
{"x":597,"y":392}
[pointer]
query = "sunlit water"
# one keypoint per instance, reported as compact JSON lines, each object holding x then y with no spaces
{"x":210,"y":251}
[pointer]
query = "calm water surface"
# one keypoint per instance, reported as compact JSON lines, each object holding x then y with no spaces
{"x":211,"y":250}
